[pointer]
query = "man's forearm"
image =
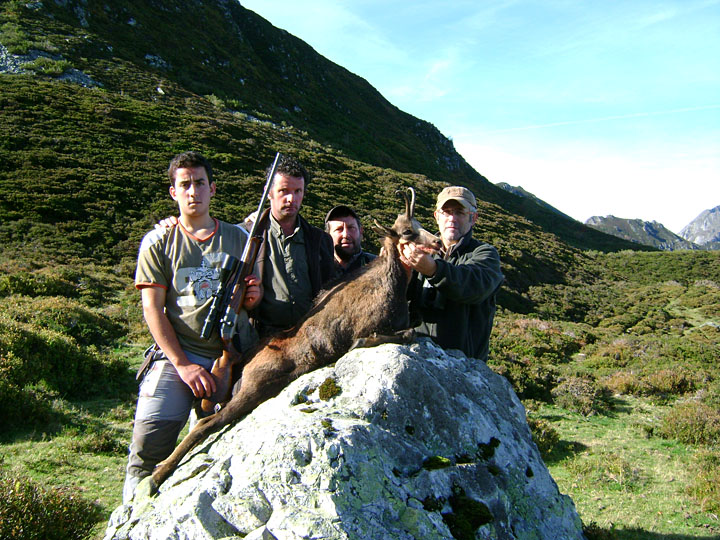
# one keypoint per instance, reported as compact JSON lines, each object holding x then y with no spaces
{"x":164,"y":335}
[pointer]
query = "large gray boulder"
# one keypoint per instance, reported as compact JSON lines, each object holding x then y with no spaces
{"x":393,"y":442}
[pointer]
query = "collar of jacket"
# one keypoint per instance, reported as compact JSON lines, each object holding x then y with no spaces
{"x":457,"y":245}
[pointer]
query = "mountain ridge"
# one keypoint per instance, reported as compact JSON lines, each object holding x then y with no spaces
{"x":702,"y":233}
{"x":649,"y":233}
{"x":655,"y":234}
{"x":521,"y":192}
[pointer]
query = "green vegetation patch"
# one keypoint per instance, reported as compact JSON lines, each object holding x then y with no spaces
{"x":544,"y":435}
{"x":607,"y":468}
{"x":705,"y":487}
{"x":467,"y":515}
{"x":436,"y":462}
{"x":29,"y":510}
{"x":582,"y":394}
{"x":328,"y":389}
{"x":48,"y":66}
{"x":692,"y":422}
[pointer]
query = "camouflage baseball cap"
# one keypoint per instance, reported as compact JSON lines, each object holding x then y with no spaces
{"x":457,"y":193}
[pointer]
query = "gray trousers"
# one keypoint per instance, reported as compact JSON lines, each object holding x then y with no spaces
{"x":163,"y":407}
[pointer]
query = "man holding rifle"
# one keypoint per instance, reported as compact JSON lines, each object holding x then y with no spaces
{"x":295,"y":259}
{"x":178,"y":274}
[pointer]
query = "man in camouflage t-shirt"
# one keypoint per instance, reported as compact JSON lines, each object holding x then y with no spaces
{"x":177,"y":274}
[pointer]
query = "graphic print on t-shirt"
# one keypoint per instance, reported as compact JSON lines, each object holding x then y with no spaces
{"x":196,"y":285}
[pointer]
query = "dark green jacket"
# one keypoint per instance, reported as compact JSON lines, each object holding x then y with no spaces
{"x":359,"y":260}
{"x":457,"y":304}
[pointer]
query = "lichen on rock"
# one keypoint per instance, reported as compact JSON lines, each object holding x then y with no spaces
{"x":349,"y":467}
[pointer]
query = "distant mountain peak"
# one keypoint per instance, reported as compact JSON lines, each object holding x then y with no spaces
{"x":704,"y":229}
{"x":649,"y":233}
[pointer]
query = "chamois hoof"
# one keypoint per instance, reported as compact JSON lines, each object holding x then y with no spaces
{"x":145,"y":489}
{"x":407,"y":336}
{"x":358,"y":343}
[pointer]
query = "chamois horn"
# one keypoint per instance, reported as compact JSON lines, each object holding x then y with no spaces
{"x":409,"y":203}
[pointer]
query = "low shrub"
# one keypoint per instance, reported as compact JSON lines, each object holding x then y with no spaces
{"x":14,"y":38}
{"x":663,"y":383}
{"x":66,"y":316}
{"x":38,"y":365}
{"x":705,"y":486}
{"x":544,"y":435}
{"x":692,"y":422}
{"x":547,"y":341}
{"x":29,"y":355}
{"x":624,"y":382}
{"x":582,"y":395}
{"x":104,"y":441}
{"x":530,"y":379}
{"x":681,"y":363}
{"x":30,"y":511}
{"x":29,"y":283}
{"x":93,"y":285}
{"x":48,"y":66}
{"x":26,"y":407}
{"x":673,"y":382}
{"x":711,"y":394}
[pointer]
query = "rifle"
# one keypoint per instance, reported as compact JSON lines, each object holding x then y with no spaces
{"x":230,"y":296}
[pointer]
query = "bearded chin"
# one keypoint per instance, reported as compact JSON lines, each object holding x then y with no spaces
{"x":345,"y":254}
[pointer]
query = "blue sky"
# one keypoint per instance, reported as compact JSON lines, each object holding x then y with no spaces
{"x":597,"y":108}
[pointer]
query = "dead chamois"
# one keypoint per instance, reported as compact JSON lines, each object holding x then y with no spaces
{"x":360,"y":312}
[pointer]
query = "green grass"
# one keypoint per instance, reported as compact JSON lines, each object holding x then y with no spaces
{"x":620,"y":479}
{"x":72,"y":457}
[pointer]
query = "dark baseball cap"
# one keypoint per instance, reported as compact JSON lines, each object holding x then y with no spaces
{"x":340,"y":211}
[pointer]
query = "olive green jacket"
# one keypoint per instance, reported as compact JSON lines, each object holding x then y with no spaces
{"x":319,"y":264}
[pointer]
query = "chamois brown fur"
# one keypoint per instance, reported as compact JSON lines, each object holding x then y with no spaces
{"x":372,"y":302}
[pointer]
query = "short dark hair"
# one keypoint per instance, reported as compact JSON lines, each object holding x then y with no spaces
{"x":289,"y":166}
{"x":188,"y":160}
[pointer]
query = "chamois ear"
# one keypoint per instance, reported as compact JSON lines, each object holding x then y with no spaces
{"x":382,"y":231}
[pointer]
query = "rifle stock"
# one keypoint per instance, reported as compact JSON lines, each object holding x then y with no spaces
{"x":233,"y":300}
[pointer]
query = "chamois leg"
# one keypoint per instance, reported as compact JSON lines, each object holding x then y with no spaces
{"x":402,"y":336}
{"x":262,"y":379}
{"x":199,"y":433}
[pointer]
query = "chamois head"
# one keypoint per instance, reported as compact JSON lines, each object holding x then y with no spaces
{"x":406,"y":228}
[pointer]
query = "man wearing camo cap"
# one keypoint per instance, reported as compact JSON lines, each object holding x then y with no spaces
{"x":453,"y":291}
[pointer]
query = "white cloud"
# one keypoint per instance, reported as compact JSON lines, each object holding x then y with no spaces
{"x":586,"y":181}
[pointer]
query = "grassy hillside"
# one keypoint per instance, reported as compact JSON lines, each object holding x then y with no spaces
{"x":82,"y":177}
{"x":613,"y":352}
{"x":244,"y":65}
{"x":622,"y":387}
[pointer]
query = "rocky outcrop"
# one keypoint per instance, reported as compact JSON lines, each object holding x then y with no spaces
{"x":393,"y":442}
{"x":704,"y":229}
{"x":19,"y":64}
